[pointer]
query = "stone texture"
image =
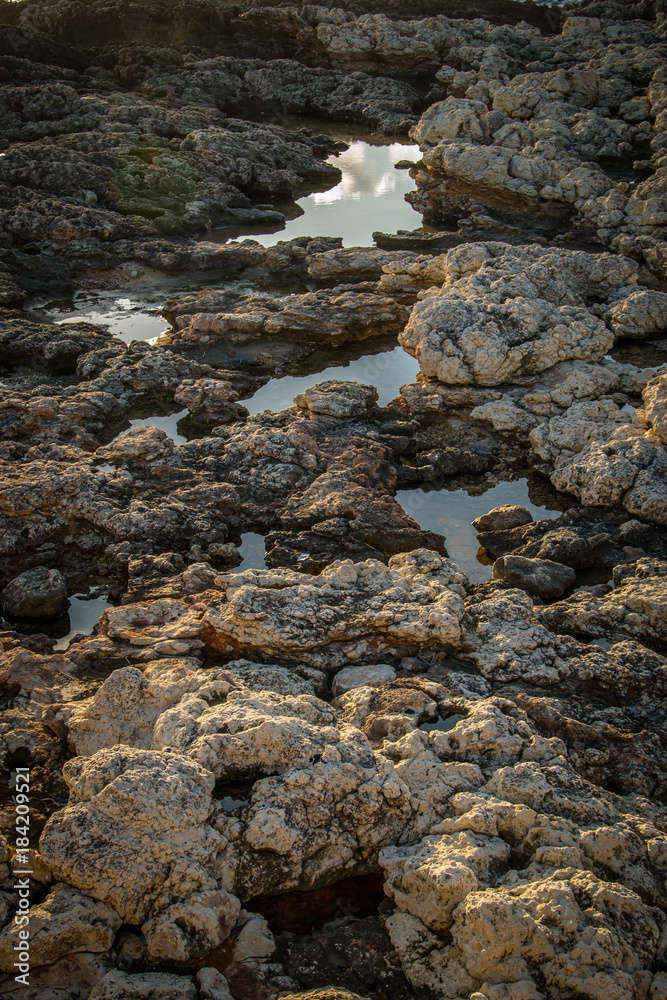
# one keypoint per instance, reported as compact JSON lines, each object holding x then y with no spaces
{"x":37,"y":593}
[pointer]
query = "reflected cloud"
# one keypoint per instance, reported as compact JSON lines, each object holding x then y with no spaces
{"x":370,"y":196}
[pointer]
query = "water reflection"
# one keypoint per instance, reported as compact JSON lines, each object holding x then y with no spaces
{"x":387,"y":371}
{"x":370,"y":197}
{"x":167,"y":423}
{"x":84,"y":613}
{"x":125,"y":316}
{"x":253,"y":551}
{"x":450,"y":512}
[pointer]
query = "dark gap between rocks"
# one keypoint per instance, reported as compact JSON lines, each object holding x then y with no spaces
{"x":303,"y":910}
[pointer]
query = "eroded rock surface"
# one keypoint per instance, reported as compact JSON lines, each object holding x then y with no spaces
{"x":339,"y":770}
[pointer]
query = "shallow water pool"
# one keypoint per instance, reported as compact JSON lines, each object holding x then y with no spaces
{"x":369,"y":198}
{"x":128,"y":316}
{"x":84,"y":613}
{"x":387,"y":371}
{"x":450,"y":513}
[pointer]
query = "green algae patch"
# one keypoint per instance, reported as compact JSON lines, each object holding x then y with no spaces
{"x":154,"y":185}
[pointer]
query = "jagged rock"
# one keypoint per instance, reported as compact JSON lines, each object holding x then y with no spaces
{"x":210,"y":401}
{"x":66,"y":921}
{"x":431,"y":879}
{"x":557,"y":939}
{"x":212,"y":985}
{"x":338,"y":399}
{"x":507,"y":641}
{"x":506,"y":778}
{"x":37,"y":593}
{"x":503,"y":315}
{"x":326,"y":993}
{"x":635,"y":608}
{"x":154,"y":861}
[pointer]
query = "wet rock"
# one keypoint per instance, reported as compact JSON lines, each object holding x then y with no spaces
{"x":332,"y":316}
{"x":41,"y":345}
{"x":541,"y":577}
{"x":585,"y":538}
{"x":210,"y":401}
{"x":37,"y":593}
{"x":503,"y":518}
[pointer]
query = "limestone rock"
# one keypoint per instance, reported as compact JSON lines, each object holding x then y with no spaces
{"x":272,"y":615}
{"x":153,"y":858}
{"x":66,"y":921}
{"x":573,"y":927}
{"x":352,"y":677}
{"x":635,"y":609}
{"x":502,"y":314}
{"x":430,"y":880}
{"x":337,"y":399}
{"x":508,"y":642}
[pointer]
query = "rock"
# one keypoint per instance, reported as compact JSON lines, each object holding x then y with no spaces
{"x":326,"y":993}
{"x":524,"y":140}
{"x":436,"y":607}
{"x":655,"y":406}
{"x":430,"y":880}
{"x":338,"y":399}
{"x":480,"y":809}
{"x":503,"y":518}
{"x":169,"y":884}
{"x":37,"y":593}
{"x":507,"y":641}
{"x":353,"y":677}
{"x":535,"y":942}
{"x":66,"y":921}
{"x":144,"y":986}
{"x":634,"y":609}
{"x":210,"y":401}
{"x":541,"y":577}
{"x":212,"y":985}
{"x":501,"y":315}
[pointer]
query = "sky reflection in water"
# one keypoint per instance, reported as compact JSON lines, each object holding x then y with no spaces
{"x":369,"y":198}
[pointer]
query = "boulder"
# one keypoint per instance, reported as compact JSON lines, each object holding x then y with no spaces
{"x":37,"y":593}
{"x":541,"y":577}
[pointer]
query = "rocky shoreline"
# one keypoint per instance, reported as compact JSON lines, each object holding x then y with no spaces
{"x":349,"y":772}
